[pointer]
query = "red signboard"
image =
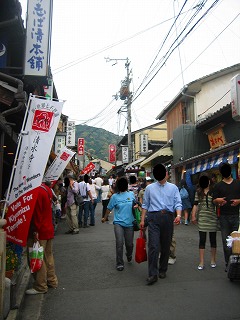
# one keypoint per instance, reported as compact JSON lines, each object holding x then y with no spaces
{"x":88,"y":168}
{"x":112,"y":153}
{"x":80,"y":146}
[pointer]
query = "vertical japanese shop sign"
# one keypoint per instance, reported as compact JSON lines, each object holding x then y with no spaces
{"x":37,"y":135}
{"x":125,"y":154}
{"x":58,"y":165}
{"x":235,"y":97}
{"x":60,"y":142}
{"x":38,"y":36}
{"x":81,"y":146}
{"x":70,"y":134}
{"x":112,"y":153}
{"x":143,"y":144}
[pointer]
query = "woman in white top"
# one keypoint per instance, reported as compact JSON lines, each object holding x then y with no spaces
{"x":105,"y":193}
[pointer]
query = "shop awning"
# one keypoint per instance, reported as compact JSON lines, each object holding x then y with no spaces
{"x":134,"y":163}
{"x":211,"y":162}
{"x":164,"y":152}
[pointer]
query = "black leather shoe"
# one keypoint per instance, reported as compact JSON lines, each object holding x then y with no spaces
{"x":152,"y":280}
{"x":162,"y":275}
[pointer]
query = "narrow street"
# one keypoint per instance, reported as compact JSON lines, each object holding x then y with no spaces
{"x":91,"y":288}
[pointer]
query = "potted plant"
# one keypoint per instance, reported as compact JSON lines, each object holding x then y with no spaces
{"x":12,"y":261}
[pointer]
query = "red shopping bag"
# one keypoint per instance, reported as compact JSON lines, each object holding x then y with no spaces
{"x":141,"y":253}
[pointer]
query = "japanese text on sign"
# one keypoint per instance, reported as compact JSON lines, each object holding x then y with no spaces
{"x":37,"y":44}
{"x":216,"y":138}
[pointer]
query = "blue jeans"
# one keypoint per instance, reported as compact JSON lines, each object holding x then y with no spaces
{"x":92,"y":211}
{"x":99,"y":197}
{"x":160,"y":232}
{"x":84,"y":211}
{"x":123,"y":234}
{"x":228,"y":224}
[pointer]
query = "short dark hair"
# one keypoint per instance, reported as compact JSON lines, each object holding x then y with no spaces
{"x":159,"y":172}
{"x":122,"y":184}
{"x":225,"y":169}
{"x":132,"y":179}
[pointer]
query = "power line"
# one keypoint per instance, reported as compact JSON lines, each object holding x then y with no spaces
{"x":194,"y":59}
{"x":90,"y":55}
{"x":169,"y":52}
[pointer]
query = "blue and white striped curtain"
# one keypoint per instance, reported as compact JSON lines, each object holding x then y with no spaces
{"x":230,"y":157}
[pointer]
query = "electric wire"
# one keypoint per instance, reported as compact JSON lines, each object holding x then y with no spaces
{"x":90,"y":55}
{"x":165,"y":39}
{"x":193,"y":60}
{"x":171,"y":50}
{"x":163,"y":59}
{"x":214,"y":103}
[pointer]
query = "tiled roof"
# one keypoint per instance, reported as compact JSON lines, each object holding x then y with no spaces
{"x":214,"y":115}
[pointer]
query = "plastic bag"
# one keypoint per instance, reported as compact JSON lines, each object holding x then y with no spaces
{"x":141,"y":252}
{"x":137,"y":218}
{"x":36,"y":257}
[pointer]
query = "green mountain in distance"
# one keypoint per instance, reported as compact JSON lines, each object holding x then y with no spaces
{"x":97,"y":140}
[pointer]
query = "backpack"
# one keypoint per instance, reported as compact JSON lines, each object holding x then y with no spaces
{"x":78,"y":199}
{"x":183,"y":193}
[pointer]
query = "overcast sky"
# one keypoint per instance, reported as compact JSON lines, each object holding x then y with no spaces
{"x":86,"y":32}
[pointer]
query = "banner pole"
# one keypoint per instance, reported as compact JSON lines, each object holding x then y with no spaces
{"x":16,"y":155}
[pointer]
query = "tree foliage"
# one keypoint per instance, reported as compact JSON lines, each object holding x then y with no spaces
{"x":97,"y":140}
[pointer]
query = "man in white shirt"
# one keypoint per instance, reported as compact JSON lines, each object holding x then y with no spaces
{"x":99,"y":182}
{"x":111,"y":181}
{"x":85,"y":208}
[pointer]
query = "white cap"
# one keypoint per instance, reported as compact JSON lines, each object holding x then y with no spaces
{"x":149,"y":179}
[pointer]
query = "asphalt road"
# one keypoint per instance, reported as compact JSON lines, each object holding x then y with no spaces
{"x":91,"y":288}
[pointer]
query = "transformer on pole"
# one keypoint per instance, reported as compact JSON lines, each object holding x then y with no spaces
{"x":126,"y":96}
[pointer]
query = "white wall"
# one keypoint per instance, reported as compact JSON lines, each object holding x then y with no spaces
{"x":211,"y":92}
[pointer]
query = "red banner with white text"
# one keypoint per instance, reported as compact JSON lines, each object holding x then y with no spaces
{"x":112,"y":153}
{"x":88,"y":168}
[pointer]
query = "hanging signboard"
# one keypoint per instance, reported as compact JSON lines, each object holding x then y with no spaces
{"x":70,"y":134}
{"x":143,"y":144}
{"x":235,"y":97}
{"x":112,"y":153}
{"x":81,"y":143}
{"x":125,"y":154}
{"x":60,"y":142}
{"x":36,"y":139}
{"x":37,"y":53}
{"x":216,"y":138}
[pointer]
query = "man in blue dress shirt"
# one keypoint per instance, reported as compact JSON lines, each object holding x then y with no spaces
{"x":161,"y":201}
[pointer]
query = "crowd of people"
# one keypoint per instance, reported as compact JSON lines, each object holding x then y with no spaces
{"x":213,"y":206}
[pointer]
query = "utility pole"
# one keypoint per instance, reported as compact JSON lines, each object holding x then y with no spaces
{"x":126,"y":95}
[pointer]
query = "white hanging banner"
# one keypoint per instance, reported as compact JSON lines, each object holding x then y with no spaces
{"x":37,"y":135}
{"x":125,"y":154}
{"x":38,"y":36}
{"x":58,"y":165}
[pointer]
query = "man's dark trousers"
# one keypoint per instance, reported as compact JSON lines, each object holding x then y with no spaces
{"x":160,"y":231}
